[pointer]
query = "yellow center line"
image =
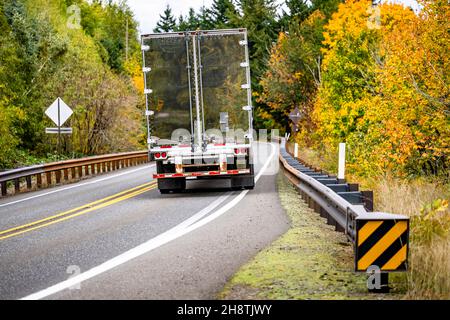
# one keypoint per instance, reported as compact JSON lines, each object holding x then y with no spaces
{"x":76,"y":211}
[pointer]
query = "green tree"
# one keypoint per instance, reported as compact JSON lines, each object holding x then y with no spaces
{"x":205,"y":19}
{"x":293,"y":75}
{"x":42,"y":58}
{"x":166,"y":22}
{"x":222,"y":12}
{"x":299,"y":10}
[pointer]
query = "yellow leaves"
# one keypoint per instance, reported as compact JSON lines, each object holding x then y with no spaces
{"x":393,"y":113}
{"x":432,"y":221}
{"x":133,"y":67}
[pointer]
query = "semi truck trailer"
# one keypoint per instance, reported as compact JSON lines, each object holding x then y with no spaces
{"x":199,"y":110}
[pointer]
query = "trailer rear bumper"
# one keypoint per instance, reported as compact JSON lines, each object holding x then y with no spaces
{"x":202,"y":174}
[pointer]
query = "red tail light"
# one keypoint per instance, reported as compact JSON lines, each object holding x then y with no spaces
{"x":157,"y":155}
{"x":240,"y":150}
{"x":163,"y":154}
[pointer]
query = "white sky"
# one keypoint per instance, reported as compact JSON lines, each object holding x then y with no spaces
{"x":147,"y":12}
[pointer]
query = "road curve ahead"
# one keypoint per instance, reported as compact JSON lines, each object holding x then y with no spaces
{"x":116,"y":237}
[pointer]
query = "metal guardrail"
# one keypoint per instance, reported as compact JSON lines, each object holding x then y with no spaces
{"x":68,"y":170}
{"x":380,"y":240}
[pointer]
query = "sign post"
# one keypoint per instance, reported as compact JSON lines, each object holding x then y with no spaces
{"x":295,"y":116}
{"x":58,"y":112}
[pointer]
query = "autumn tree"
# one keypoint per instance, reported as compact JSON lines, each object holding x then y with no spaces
{"x":294,"y":70}
{"x":43,"y":57}
{"x":384,"y":88}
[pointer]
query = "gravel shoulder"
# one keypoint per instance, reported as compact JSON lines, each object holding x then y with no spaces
{"x":310,"y":261}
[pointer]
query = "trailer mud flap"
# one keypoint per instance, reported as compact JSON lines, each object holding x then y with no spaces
{"x":172,"y":184}
{"x":244,"y":181}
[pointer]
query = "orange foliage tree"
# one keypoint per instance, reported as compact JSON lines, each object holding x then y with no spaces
{"x":385,"y":89}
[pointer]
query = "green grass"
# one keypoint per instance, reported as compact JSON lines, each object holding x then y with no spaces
{"x":310,"y":261}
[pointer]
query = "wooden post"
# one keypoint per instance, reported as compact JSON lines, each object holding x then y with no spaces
{"x":4,"y":188}
{"x":16,"y":185}
{"x":28,"y":180}
{"x":58,"y":176}
{"x":39,"y":180}
{"x":48,"y":176}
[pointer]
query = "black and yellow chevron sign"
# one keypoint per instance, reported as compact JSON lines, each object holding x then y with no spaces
{"x":382,"y":243}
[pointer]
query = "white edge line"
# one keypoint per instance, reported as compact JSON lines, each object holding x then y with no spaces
{"x":172,"y":234}
{"x":76,"y":186}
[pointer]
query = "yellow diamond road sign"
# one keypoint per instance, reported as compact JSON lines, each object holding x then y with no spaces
{"x":59,"y":112}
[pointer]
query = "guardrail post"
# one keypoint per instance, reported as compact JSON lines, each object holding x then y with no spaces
{"x":72,"y":173}
{"x":368,"y":200}
{"x":4,"y":189}
{"x":66,"y":174}
{"x":322,"y":212}
{"x":80,"y":172}
{"x":17,"y":185}
{"x":58,"y":176}
{"x":28,"y":180}
{"x":39,"y":180}
{"x":48,"y":178}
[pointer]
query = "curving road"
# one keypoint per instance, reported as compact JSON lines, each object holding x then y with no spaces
{"x":116,"y":237}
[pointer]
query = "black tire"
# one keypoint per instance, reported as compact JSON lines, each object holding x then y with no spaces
{"x":164,"y":191}
{"x":249,"y":187}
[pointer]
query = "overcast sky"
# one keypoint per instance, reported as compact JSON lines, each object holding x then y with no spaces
{"x":147,"y":12}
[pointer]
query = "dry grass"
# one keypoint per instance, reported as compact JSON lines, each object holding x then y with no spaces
{"x":429,"y":262}
{"x":429,"y":273}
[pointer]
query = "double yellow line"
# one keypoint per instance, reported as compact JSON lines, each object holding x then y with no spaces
{"x":72,"y":213}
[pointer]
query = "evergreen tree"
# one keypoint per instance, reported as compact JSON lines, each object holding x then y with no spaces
{"x":259,"y":17}
{"x":206,"y":21}
{"x":193,"y":22}
{"x":167,"y":21}
{"x":327,"y":7}
{"x":182,"y":24}
{"x":299,"y":10}
{"x":221,"y":12}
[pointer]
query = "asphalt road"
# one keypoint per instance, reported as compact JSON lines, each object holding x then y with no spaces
{"x":116,"y":237}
